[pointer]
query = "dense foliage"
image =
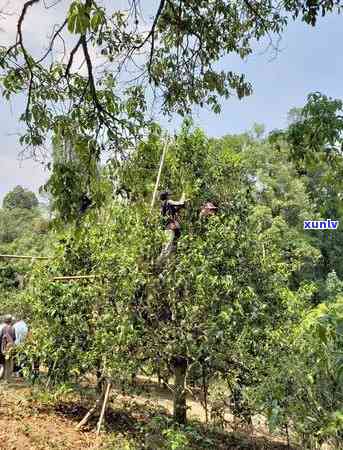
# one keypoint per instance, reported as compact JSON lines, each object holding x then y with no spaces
{"x":24,"y":230}
{"x":20,"y":198}
{"x":249,"y":306}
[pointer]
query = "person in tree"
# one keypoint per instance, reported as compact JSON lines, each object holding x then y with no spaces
{"x":7,"y":341}
{"x":208,"y":209}
{"x":171,"y":207}
{"x":170,"y":210}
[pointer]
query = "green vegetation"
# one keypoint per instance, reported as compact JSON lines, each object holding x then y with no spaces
{"x":24,"y":230}
{"x":19,"y":198}
{"x":246,"y":313}
{"x":249,"y":309}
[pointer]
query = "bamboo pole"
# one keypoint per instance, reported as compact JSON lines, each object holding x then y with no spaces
{"x":74,"y":277}
{"x":103,"y":408}
{"x":24,"y":257}
{"x":159,"y":174}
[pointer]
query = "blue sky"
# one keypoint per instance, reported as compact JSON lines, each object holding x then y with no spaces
{"x":310,"y":60}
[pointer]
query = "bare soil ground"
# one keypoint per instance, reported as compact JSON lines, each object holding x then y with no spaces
{"x":25,"y":425}
{"x":28,"y":422}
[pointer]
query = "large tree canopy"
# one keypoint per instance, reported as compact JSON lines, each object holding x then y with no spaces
{"x":245,"y":300}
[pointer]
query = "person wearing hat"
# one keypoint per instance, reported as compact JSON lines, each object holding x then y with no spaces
{"x":208,"y":209}
{"x":7,"y":340}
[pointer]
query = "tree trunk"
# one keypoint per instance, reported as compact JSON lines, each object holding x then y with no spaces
{"x":179,"y":365}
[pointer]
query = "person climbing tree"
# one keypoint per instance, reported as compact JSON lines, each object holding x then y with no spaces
{"x":170,"y":209}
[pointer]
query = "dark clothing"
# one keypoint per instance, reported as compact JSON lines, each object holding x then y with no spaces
{"x":170,"y":208}
{"x":7,"y":340}
{"x":174,"y":226}
{"x":7,"y":337}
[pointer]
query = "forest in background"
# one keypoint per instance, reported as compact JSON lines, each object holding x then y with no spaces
{"x":249,"y":308}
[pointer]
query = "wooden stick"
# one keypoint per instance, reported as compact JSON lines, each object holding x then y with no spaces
{"x":88,"y":415}
{"x":23,"y":257}
{"x":159,"y":174}
{"x":74,"y":277}
{"x":103,"y":407}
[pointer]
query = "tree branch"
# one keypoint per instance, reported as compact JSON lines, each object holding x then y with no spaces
{"x":19,"y":42}
{"x":57,"y":33}
{"x":152,"y":31}
{"x":19,"y":39}
{"x":71,"y":58}
{"x":102,"y":111}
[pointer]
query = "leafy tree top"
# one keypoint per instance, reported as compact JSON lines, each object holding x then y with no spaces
{"x":316,"y":130}
{"x":20,"y":198}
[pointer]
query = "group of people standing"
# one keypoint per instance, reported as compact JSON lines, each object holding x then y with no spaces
{"x":12,"y":333}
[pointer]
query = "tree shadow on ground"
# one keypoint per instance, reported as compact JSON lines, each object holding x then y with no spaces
{"x":145,"y":424}
{"x":138,"y":422}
